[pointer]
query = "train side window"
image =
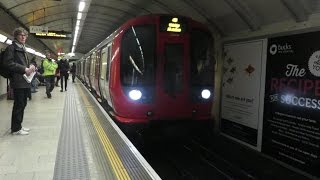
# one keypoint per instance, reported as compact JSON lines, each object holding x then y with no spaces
{"x":93,"y":64}
{"x":138,"y":56}
{"x":87,"y":67}
{"x":103,"y":63}
{"x":83,"y":65}
{"x":202,"y":61}
{"x":108,"y":62}
{"x":97,"y":64}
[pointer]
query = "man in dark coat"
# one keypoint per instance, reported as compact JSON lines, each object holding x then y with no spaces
{"x":73,"y":71}
{"x":15,"y":59}
{"x":63,"y":66}
{"x":34,"y":80}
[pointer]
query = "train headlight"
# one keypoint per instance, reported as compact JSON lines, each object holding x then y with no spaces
{"x":205,"y":94}
{"x":135,"y":94}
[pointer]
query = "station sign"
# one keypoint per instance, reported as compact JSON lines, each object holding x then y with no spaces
{"x":38,"y":29}
{"x":54,"y":35}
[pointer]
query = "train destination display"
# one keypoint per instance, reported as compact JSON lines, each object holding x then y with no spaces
{"x":54,"y":35}
{"x":173,"y":24}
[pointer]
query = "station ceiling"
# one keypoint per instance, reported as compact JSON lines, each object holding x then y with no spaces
{"x":226,"y":18}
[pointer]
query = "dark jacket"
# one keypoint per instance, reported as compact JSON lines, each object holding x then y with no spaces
{"x":33,"y":61}
{"x":73,"y":69}
{"x":63,"y":66}
{"x":15,"y":60}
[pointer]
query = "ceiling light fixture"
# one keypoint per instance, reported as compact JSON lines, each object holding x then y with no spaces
{"x":81,"y":6}
{"x":81,"y":16}
{"x":3,"y":38}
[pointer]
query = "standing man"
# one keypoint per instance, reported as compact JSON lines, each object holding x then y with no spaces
{"x":63,"y":66}
{"x":57,"y":74}
{"x":73,"y":71}
{"x":49,"y":69}
{"x":16,"y":60}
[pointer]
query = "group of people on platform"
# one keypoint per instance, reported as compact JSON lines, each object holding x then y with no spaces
{"x":59,"y":70}
{"x":55,"y":71}
{"x":16,"y":61}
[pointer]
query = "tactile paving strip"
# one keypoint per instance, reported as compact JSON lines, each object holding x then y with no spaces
{"x":103,"y":166}
{"x":130,"y":162}
{"x":71,"y":162}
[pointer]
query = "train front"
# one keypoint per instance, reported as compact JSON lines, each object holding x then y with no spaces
{"x":166,"y":73}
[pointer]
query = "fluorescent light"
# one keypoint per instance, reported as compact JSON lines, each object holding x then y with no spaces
{"x":81,"y":6}
{"x":3,"y":38}
{"x":9,"y":41}
{"x":74,"y":41}
{"x":79,"y":15}
{"x":38,"y":53}
{"x":30,"y":50}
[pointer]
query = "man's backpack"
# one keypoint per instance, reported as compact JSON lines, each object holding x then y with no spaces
{"x":4,"y":71}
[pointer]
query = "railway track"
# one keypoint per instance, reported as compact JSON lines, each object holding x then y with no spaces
{"x":188,"y":159}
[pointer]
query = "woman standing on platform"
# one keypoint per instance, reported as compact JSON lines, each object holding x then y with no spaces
{"x":16,"y":60}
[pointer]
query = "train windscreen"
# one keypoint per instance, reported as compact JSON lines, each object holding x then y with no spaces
{"x":173,"y":68}
{"x":138,"y":56}
{"x":202,"y":60}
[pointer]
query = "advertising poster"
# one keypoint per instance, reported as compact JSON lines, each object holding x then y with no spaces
{"x":291,"y":119}
{"x":241,"y":110}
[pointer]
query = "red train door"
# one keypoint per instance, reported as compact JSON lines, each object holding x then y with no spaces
{"x":172,"y":82}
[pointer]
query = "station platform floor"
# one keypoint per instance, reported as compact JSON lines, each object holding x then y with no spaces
{"x":70,"y":138}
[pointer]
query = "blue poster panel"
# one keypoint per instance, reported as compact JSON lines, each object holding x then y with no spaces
{"x":291,"y":118}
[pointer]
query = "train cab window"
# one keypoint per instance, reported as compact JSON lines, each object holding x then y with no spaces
{"x":173,"y":68}
{"x":138,"y":56}
{"x":202,"y":61}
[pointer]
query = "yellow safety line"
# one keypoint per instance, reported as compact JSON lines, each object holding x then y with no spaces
{"x":115,"y":161}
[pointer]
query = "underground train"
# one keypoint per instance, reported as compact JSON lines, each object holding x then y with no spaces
{"x":153,"y":70}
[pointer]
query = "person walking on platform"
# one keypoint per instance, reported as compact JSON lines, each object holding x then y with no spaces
{"x":16,"y":60}
{"x":57,"y":74}
{"x":73,"y":71}
{"x":63,"y":67}
{"x":49,"y":69}
{"x":34,"y":80}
